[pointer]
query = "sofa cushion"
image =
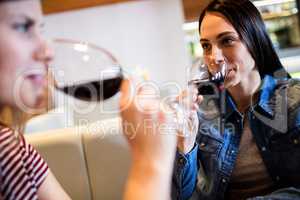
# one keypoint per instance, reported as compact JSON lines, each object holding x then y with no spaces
{"x":107,"y":157}
{"x":63,"y":151}
{"x":90,"y":161}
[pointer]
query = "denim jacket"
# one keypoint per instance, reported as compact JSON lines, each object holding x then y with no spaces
{"x":274,"y":119}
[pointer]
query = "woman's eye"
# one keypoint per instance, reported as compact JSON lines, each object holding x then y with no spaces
{"x":22,"y":27}
{"x":227,"y":41}
{"x":205,"y":46}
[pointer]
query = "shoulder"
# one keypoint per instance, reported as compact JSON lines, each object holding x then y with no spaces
{"x":293,"y":93}
{"x":290,"y":88}
{"x":294,"y":86}
{"x":17,"y":156}
{"x":7,"y":136}
{"x":12,"y":145}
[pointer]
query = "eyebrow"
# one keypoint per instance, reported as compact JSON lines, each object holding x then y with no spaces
{"x":24,"y":16}
{"x":218,"y":36}
{"x":32,"y":20}
{"x":28,"y":18}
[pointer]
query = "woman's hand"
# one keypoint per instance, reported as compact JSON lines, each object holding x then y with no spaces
{"x":148,"y":129}
{"x":152,"y":141}
{"x":188,"y":127}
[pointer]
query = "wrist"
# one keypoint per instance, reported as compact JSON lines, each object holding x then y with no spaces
{"x":149,"y":177}
{"x":185,"y":148}
{"x":154,"y":166}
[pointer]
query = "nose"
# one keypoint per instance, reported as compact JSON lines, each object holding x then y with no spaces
{"x":44,"y":53}
{"x":215,"y":59}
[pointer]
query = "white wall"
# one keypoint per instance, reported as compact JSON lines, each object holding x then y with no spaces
{"x":145,"y":33}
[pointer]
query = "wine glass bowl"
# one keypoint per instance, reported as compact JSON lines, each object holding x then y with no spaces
{"x":85,"y":71}
{"x":221,"y":74}
{"x":207,"y":82}
{"x":210,"y":85}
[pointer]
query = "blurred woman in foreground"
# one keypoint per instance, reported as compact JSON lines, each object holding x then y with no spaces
{"x":24,"y":56}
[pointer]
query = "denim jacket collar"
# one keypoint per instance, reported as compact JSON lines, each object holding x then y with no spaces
{"x":266,"y":92}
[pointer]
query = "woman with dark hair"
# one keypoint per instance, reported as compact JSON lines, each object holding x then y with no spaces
{"x":257,"y":154}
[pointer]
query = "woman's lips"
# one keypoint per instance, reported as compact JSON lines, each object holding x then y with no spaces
{"x":37,"y":79}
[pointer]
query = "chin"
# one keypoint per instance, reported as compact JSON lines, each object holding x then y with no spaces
{"x":30,"y":102}
{"x":231,"y":84}
{"x":232,"y":80}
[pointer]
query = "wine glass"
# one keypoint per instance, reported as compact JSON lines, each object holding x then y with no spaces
{"x":210,"y":84}
{"x":85,"y":71}
{"x":207,"y":82}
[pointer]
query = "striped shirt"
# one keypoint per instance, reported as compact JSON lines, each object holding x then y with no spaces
{"x":22,"y":170}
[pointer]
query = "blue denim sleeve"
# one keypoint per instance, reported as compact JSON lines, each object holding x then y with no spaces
{"x":185,"y":175}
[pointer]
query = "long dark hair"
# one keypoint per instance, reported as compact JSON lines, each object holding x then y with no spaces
{"x":248,"y":23}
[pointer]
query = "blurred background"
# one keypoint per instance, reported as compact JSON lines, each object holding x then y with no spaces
{"x":160,"y":36}
{"x":282,"y":21}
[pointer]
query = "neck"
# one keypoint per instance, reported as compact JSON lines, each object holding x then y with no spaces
{"x":243,"y":92}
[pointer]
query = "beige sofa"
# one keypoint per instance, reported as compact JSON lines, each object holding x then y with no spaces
{"x":90,"y":162}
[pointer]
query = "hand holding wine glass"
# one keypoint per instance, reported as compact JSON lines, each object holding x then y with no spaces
{"x":146,"y":126}
{"x":188,"y":121}
{"x":204,"y":85}
{"x":152,"y":142}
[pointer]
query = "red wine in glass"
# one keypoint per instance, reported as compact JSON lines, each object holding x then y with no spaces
{"x":94,"y":90}
{"x":98,"y":90}
{"x":89,"y":72}
{"x":210,"y":86}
